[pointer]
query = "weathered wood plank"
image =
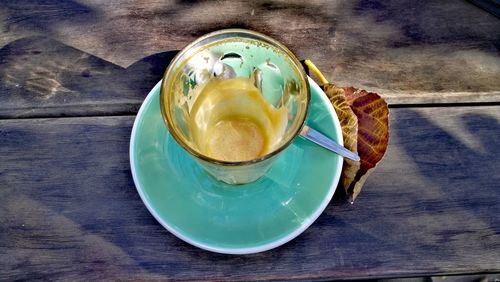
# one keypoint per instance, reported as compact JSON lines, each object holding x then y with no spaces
{"x":70,"y":210}
{"x":43,"y":77}
{"x":98,"y":57}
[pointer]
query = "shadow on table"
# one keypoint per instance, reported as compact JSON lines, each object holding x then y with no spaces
{"x":429,"y":22}
{"x":28,"y":15}
{"x":463,"y":173}
{"x":44,"y":77}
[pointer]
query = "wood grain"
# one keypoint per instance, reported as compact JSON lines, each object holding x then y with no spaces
{"x":69,"y":58}
{"x":42,"y":77}
{"x":70,"y":210}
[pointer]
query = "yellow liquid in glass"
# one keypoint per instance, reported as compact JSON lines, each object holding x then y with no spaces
{"x":230,"y":120}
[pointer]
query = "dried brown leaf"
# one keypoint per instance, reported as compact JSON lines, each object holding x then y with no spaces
{"x":349,"y":124}
{"x":364,"y":117}
{"x":373,"y":133}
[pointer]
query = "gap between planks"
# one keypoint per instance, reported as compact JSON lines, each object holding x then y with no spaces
{"x":134,"y":113}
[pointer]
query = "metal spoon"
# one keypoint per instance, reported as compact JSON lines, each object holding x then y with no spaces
{"x":327,"y":143}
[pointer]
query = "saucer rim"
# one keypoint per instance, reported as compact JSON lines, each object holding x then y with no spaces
{"x":244,"y":250}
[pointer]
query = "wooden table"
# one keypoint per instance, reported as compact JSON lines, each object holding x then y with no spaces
{"x":74,"y":73}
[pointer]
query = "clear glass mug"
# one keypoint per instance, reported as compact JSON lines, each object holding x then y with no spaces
{"x":227,"y":54}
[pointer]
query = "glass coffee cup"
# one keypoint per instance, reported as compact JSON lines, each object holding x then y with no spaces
{"x":234,"y":99}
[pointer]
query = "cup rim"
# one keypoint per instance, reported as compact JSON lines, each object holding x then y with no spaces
{"x":171,"y":128}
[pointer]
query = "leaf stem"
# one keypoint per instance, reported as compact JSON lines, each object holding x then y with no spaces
{"x":312,"y":67}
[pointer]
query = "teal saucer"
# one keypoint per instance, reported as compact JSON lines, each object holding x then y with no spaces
{"x":239,"y":219}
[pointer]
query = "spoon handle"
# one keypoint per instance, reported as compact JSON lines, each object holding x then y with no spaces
{"x":325,"y":142}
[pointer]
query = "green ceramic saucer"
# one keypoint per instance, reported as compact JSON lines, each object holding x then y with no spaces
{"x":240,"y":219}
